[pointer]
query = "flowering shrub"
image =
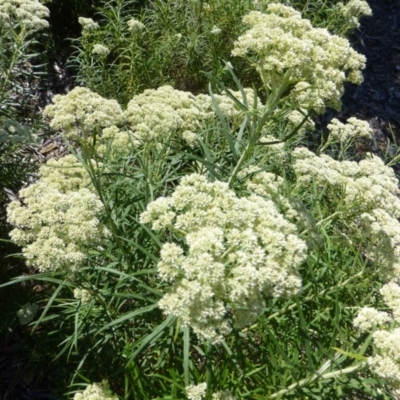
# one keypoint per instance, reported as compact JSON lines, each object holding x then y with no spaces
{"x":232,"y":252}
{"x":370,"y":201}
{"x":20,"y":23}
{"x":57,"y":218}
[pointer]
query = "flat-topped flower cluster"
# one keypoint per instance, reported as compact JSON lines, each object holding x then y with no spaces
{"x":354,"y":10}
{"x":235,"y":252}
{"x":81,"y":112}
{"x":155,"y":113}
{"x":88,"y":24}
{"x":151,"y":116}
{"x":198,"y":392}
{"x":386,"y":334}
{"x":354,"y":128}
{"x":289,"y":51}
{"x":29,"y":14}
{"x":370,"y":198}
{"x":96,"y":391}
{"x":57,"y":217}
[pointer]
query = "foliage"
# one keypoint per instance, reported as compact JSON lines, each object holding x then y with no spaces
{"x":175,"y":42}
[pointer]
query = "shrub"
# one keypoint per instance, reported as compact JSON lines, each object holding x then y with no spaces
{"x":214,"y":255}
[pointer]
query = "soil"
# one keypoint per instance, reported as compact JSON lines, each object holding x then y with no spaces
{"x":377,"y":99}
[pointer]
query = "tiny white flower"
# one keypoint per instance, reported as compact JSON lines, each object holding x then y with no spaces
{"x":215,"y":30}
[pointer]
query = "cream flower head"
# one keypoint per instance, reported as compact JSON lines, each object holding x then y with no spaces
{"x":237,"y":250}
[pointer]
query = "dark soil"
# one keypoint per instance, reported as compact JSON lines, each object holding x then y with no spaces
{"x":377,"y":99}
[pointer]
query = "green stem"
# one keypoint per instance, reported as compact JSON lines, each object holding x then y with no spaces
{"x":329,"y":217}
{"x":318,"y":376}
{"x":272,"y":102}
{"x":243,"y":157}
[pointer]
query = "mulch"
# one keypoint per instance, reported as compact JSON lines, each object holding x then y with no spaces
{"x":377,"y":99}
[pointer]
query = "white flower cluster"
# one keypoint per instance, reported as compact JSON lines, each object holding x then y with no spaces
{"x":29,"y":14}
{"x":382,"y":229}
{"x":355,"y":128}
{"x":215,"y":30}
{"x":57,"y":218}
{"x":289,"y":51}
{"x":96,"y":391}
{"x":369,"y":184}
{"x":151,"y":116}
{"x":196,"y":392}
{"x":135,"y":26}
{"x":27,"y":312}
{"x":82,"y":111}
{"x":154,"y":114}
{"x":83,"y":295}
{"x":386,"y":335}
{"x":100,"y":50}
{"x":223,"y":395}
{"x":118,"y":141}
{"x":237,"y":251}
{"x":368,"y":318}
{"x":354,"y":10}
{"x":370,"y":196}
{"x":88,"y":24}
{"x":296,"y":118}
{"x":272,"y":187}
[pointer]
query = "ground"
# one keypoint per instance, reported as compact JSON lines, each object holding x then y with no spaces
{"x":377,"y":99}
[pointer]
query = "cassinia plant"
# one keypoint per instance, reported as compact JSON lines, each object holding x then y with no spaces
{"x":199,"y":249}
